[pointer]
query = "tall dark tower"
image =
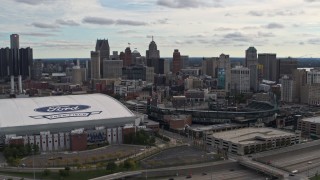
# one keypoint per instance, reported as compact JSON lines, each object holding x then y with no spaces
{"x":14,"y":41}
{"x":127,"y":57}
{"x":153,"y":52}
{"x":26,"y":62}
{"x":251,"y":62}
{"x":4,"y":62}
{"x":176,"y":61}
{"x":102,"y":45}
{"x":251,"y":57}
{"x":153,"y":57}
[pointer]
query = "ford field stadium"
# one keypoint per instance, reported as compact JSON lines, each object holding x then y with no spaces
{"x":63,"y":122}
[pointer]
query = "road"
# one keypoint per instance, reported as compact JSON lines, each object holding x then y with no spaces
{"x":219,"y":170}
{"x":303,"y":157}
{"x":240,"y":174}
{"x":12,"y":177}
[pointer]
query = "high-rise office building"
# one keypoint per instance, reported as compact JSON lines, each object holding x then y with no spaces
{"x":37,"y":69}
{"x":176,"y":62}
{"x":251,"y":57}
{"x":270,"y":66}
{"x":240,"y":80}
{"x":152,"y":52}
{"x":4,"y":62}
{"x":95,"y":65}
{"x":224,"y":63}
{"x":157,"y":64}
{"x":251,"y":61}
{"x":14,"y":62}
{"x":287,"y":89}
{"x":313,"y":76}
{"x":122,"y":56}
{"x":14,"y":41}
{"x":26,"y":62}
{"x":143,"y":73}
{"x":76,"y":75}
{"x":135,"y":55}
{"x":153,"y":58}
{"x":127,"y":57}
{"x":184,"y":61}
{"x":300,"y":78}
{"x":287,"y":66}
{"x":114,"y":56}
{"x":103,"y":47}
{"x":209,"y":66}
{"x":112,"y":69}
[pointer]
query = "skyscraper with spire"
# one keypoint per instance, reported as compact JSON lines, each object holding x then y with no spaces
{"x":153,"y":52}
{"x":102,"y":45}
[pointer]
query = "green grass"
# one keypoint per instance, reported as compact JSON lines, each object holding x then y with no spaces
{"x":74,"y":175}
{"x":317,"y":177}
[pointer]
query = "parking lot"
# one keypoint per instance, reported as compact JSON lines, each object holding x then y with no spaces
{"x":178,"y":156}
{"x":57,"y":159}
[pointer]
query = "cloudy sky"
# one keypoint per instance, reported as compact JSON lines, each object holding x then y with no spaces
{"x":69,"y":28}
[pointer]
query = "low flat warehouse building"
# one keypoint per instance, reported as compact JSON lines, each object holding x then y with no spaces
{"x":252,"y":140}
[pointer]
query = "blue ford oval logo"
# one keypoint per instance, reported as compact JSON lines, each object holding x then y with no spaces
{"x":62,"y":108}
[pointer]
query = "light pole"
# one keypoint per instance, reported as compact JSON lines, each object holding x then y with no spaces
{"x":34,"y":174}
{"x":310,"y":162}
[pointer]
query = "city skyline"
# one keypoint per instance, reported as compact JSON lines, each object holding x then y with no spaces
{"x":70,"y":28}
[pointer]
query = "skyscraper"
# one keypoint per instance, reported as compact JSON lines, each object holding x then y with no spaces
{"x":153,"y":52}
{"x":224,"y":63}
{"x":176,"y":66}
{"x":287,"y":89}
{"x":287,"y":66}
{"x":240,"y":80}
{"x":26,"y":61}
{"x":184,"y":61}
{"x":37,"y":69}
{"x":95,"y":65}
{"x":251,"y":62}
{"x":127,"y":57}
{"x":135,"y":55}
{"x":4,"y":62}
{"x":102,"y":45}
{"x":270,"y":66}
{"x":251,"y":57}
{"x":112,"y":69}
{"x":14,"y":41}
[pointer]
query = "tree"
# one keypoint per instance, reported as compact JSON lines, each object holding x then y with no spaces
{"x":46,"y":172}
{"x":129,"y":164}
{"x":64,"y":173}
{"x":111,"y":166}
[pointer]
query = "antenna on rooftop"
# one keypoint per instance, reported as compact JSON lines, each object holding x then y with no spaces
{"x":150,"y":37}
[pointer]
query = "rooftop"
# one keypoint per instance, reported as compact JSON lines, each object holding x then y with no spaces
{"x":251,"y":135}
{"x":315,"y":119}
{"x":60,"y":109}
{"x":201,"y":128}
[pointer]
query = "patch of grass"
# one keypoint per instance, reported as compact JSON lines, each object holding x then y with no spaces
{"x":74,"y":175}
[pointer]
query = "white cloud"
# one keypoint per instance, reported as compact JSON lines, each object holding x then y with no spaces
{"x":190,"y":21}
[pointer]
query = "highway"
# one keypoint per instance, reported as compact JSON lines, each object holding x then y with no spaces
{"x":223,"y":169}
{"x":303,"y":157}
{"x":239,"y":174}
